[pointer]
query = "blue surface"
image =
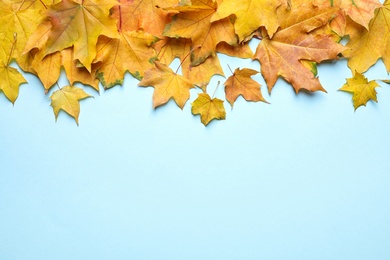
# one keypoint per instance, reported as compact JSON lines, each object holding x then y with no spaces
{"x":304,"y":177}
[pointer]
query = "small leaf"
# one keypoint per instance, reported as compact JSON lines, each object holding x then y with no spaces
{"x":67,"y":99}
{"x":167,"y":84}
{"x":241,"y":83}
{"x":361,"y":89}
{"x":10,"y":80}
{"x":208,"y":108}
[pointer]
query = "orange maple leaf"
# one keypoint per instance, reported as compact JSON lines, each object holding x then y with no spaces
{"x":208,"y":108}
{"x":147,"y":15}
{"x":282,"y":54}
{"x":241,"y":83}
{"x":193,"y":22}
{"x":167,"y":84}
{"x":361,"y":11}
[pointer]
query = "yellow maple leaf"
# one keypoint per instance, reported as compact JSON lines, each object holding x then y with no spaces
{"x":199,"y":75}
{"x":131,"y":52}
{"x":79,"y":23}
{"x":367,"y":46}
{"x":241,"y":83}
{"x":67,"y":99}
{"x":167,"y":84}
{"x":250,"y":15}
{"x":20,"y":19}
{"x":10,"y":80}
{"x":362,"y":91}
{"x":282,"y":54}
{"x":208,"y":108}
{"x":76,"y":73}
{"x":193,"y":22}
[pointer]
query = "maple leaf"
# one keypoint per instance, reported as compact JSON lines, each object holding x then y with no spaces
{"x":208,"y":108}
{"x":250,"y":15}
{"x":131,"y":52}
{"x":79,"y":23}
{"x":366,"y":47}
{"x":199,"y":75}
{"x":282,"y":54}
{"x":76,"y":73}
{"x":47,"y":68}
{"x":362,"y":91}
{"x":20,"y":19}
{"x":193,"y":22}
{"x":361,"y":11}
{"x":167,"y":84}
{"x":241,"y":50}
{"x":67,"y":99}
{"x":10,"y":78}
{"x":241,"y":83}
{"x":147,"y":15}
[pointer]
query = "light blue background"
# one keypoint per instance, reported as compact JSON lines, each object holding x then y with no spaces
{"x":304,"y":177}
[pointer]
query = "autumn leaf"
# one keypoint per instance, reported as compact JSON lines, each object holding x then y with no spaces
{"x":131,"y":52}
{"x":208,"y":108}
{"x":361,"y":11}
{"x":241,"y":83}
{"x":10,"y":78}
{"x":79,"y":24}
{"x":20,"y":19}
{"x":282,"y":54}
{"x":199,"y":75}
{"x":76,"y":73}
{"x":167,"y":84}
{"x":67,"y":99}
{"x":193,"y":22}
{"x":147,"y":15}
{"x":366,"y":47}
{"x":250,"y":15}
{"x":362,"y":91}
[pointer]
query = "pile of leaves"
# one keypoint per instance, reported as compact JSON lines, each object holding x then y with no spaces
{"x":95,"y":42}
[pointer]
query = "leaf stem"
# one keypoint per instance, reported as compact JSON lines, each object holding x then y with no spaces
{"x":12,"y":50}
{"x":230,"y":69}
{"x":215,"y":90}
{"x":181,"y":63}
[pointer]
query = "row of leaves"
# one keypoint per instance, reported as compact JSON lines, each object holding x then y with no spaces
{"x":98,"y":41}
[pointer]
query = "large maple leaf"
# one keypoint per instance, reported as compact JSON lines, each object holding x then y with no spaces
{"x":362,"y":91}
{"x":79,"y":23}
{"x":250,"y":15}
{"x":67,"y":99}
{"x":20,"y":19}
{"x":367,"y":46}
{"x":193,"y":22}
{"x":131,"y":52}
{"x":282,"y":55}
{"x":167,"y":84}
